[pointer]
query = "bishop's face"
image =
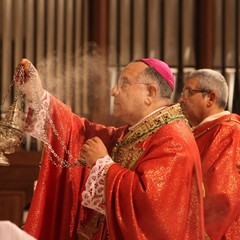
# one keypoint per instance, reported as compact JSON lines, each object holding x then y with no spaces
{"x":130,"y":93}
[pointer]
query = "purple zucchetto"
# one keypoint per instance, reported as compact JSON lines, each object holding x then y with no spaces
{"x":162,"y":68}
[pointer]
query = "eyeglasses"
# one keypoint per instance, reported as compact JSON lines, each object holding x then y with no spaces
{"x":188,"y":92}
{"x":123,"y":84}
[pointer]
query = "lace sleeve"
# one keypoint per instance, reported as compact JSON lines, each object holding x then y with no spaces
{"x":94,"y":197}
{"x":36,"y":117}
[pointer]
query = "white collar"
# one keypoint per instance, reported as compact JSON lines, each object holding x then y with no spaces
{"x":213,"y":117}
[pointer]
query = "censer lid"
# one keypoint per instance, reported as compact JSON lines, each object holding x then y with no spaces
{"x":13,"y":119}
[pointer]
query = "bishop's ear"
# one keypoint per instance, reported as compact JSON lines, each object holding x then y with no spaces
{"x":152,"y":92}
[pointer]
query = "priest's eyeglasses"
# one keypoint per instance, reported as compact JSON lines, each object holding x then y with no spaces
{"x":188,"y":92}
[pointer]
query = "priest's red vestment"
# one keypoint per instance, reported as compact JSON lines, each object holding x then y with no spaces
{"x":219,"y":146}
{"x":153,"y":192}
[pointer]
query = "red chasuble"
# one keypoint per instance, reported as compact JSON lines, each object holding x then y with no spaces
{"x":153,"y":192}
{"x":219,"y":146}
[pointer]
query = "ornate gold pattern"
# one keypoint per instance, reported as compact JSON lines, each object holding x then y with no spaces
{"x":90,"y":227}
{"x":126,"y":152}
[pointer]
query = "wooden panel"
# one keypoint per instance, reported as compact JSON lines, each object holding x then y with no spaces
{"x":153,"y":28}
{"x":205,"y":34}
{"x":125,"y":30}
{"x":6,"y":50}
{"x":16,"y":184}
{"x":171,"y":32}
{"x":11,"y":206}
{"x":113,"y":34}
{"x":139,"y":29}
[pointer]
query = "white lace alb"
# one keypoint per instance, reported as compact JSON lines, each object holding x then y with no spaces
{"x":93,"y":196}
{"x":36,"y":117}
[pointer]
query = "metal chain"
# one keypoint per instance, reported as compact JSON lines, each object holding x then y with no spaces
{"x":5,"y":97}
{"x":37,"y":103}
{"x":16,"y":98}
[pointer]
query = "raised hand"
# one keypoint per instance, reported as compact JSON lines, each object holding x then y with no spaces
{"x":27,"y":77}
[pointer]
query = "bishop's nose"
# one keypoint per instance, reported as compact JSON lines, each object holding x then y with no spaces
{"x":114,"y":91}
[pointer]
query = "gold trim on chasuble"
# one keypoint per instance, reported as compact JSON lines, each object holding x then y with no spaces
{"x":126,"y":152}
{"x":215,"y":125}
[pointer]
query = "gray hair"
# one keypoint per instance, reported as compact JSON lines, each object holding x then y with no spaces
{"x":211,"y":80}
{"x":165,"y":89}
